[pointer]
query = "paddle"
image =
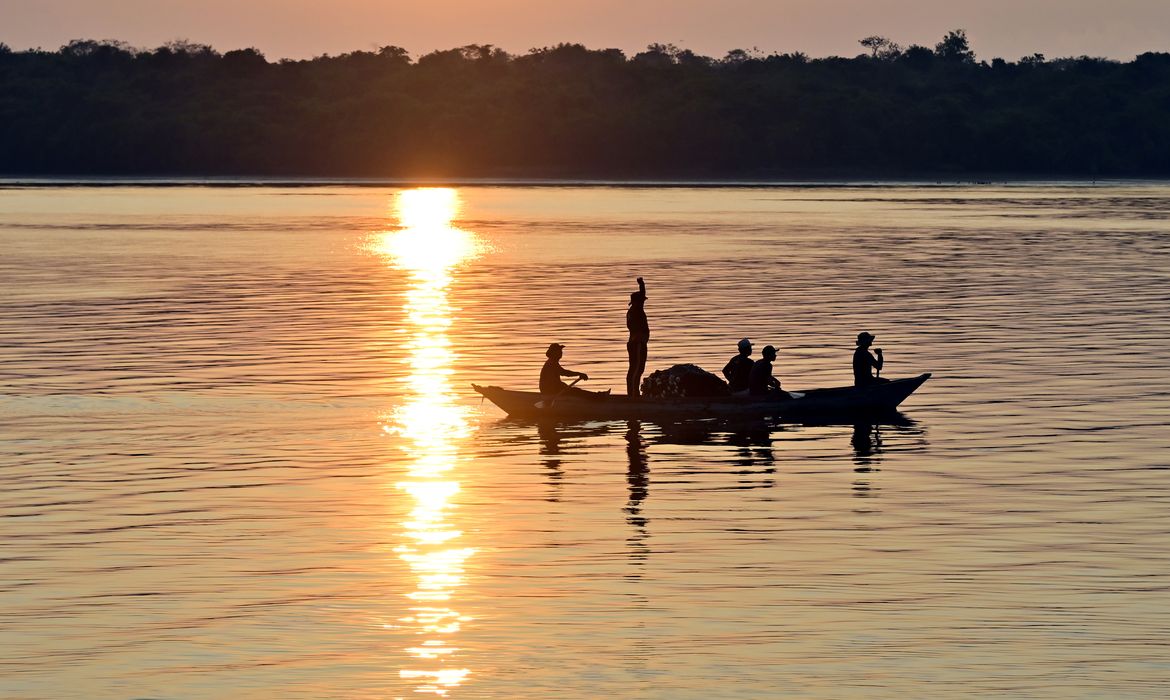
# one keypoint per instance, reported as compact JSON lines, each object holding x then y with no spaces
{"x":548,"y":404}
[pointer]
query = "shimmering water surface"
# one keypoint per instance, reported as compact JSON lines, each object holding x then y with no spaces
{"x":241,"y":457}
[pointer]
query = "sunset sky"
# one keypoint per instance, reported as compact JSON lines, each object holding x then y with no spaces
{"x":304,"y":28}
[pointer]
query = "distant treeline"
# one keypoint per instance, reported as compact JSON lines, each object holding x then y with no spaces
{"x":102,"y":107}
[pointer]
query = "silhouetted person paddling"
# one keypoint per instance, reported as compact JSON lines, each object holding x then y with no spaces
{"x":863,"y":361}
{"x":639,"y":329}
{"x":550,"y":376}
{"x":739,"y":369}
{"x":760,"y":381}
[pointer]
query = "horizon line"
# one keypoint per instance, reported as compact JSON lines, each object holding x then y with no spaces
{"x":753,"y":52}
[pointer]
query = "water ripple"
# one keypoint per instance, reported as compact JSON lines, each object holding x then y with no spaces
{"x":210,"y":481}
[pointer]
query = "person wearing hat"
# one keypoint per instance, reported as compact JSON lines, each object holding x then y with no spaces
{"x":639,"y":340}
{"x":551,"y":373}
{"x":863,"y":361}
{"x":739,"y":368}
{"x":760,"y":381}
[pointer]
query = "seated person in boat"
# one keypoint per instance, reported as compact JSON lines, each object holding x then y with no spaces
{"x":739,"y":368}
{"x":863,"y":361}
{"x":551,"y":373}
{"x":761,"y":382}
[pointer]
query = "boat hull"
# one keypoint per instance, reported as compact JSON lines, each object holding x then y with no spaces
{"x":872,"y":399}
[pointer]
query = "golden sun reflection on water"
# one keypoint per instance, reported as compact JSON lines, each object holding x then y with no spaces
{"x":430,"y":427}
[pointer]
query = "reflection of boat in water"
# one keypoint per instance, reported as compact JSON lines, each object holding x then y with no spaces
{"x":875,"y":398}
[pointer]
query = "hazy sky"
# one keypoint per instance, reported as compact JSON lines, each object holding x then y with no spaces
{"x":304,"y":28}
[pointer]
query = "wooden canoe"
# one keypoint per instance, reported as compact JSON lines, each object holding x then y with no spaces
{"x":842,"y":401}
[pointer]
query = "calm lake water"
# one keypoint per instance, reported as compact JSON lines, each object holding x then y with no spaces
{"x":241,"y":457}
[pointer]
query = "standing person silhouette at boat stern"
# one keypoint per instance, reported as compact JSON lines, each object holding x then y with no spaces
{"x":739,"y":368}
{"x":636,"y":346}
{"x":550,"y":376}
{"x":863,"y":361}
{"x":761,"y":383}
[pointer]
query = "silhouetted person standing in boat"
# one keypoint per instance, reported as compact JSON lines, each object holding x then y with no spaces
{"x":760,"y":381}
{"x":550,"y":375}
{"x":863,"y":361}
{"x":739,"y":369}
{"x":639,"y":329}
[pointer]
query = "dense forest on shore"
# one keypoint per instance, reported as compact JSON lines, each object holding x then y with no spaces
{"x":101,"y":107}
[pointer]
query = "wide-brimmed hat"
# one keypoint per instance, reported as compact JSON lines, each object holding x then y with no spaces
{"x":745,"y":343}
{"x":863,"y":337}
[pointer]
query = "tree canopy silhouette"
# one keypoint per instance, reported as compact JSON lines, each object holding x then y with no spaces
{"x":103,"y":107}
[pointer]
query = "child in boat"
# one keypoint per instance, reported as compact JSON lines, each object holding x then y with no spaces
{"x":761,"y":383}
{"x":739,"y":368}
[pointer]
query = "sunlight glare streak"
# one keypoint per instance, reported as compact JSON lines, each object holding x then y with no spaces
{"x":428,"y":246}
{"x":430,"y":426}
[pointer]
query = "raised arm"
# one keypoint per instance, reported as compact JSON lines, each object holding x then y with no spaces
{"x":641,"y":286}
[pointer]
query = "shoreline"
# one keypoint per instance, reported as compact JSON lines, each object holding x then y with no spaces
{"x":20,"y":182}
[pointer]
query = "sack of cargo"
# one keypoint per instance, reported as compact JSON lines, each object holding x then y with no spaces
{"x":683,"y":381}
